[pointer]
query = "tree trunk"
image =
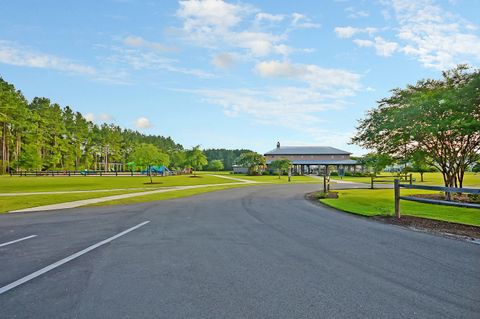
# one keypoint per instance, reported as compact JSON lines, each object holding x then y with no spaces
{"x":18,"y":149}
{"x":421,"y":176}
{"x":4,"y":147}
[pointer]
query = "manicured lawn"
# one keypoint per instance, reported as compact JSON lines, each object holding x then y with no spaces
{"x":11,"y":203}
{"x":381,"y":202}
{"x":167,"y":195}
{"x":17,"y":184}
{"x":470,"y":180}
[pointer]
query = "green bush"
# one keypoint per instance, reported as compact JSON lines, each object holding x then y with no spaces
{"x":334,"y":174}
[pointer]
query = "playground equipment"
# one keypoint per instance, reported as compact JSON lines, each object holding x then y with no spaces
{"x":157,"y":170}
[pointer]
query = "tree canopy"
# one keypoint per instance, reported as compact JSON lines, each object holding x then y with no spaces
{"x":375,"y":162}
{"x":41,"y":135}
{"x":438,"y":117}
{"x":195,"y":158}
{"x":216,"y":165}
{"x":148,"y":155}
{"x":281,"y":165}
{"x":228,"y":157}
{"x":252,"y":160}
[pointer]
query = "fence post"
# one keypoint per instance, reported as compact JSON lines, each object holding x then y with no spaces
{"x":411,"y":179}
{"x":371,"y":182}
{"x":324,"y":183}
{"x":396,"y":184}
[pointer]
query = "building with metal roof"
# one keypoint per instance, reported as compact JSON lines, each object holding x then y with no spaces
{"x":313,"y":159}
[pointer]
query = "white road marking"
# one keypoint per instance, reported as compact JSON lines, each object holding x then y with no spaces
{"x":67,"y":259}
{"x":17,"y":240}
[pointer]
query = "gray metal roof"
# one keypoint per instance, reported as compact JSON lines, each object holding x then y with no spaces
{"x":322,"y":162}
{"x":306,"y":150}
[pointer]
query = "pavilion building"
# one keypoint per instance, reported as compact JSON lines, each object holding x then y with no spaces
{"x":313,"y":159}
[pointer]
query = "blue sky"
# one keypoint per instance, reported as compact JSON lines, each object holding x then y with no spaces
{"x":234,"y":74}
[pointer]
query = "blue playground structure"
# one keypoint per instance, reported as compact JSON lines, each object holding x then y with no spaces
{"x":162,"y":170}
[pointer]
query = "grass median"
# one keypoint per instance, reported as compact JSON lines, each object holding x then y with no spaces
{"x":17,"y":184}
{"x":380,"y":202}
{"x":168,"y":195}
{"x":12,"y":203}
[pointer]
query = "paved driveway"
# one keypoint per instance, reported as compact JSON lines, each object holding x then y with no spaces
{"x":254,"y":252}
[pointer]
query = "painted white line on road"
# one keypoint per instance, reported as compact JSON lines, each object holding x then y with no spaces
{"x":17,"y":240}
{"x":67,"y":259}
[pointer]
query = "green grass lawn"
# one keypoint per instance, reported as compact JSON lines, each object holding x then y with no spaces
{"x":167,"y":195}
{"x":374,"y":202}
{"x":470,"y":179}
{"x":15,"y":184}
{"x":11,"y":203}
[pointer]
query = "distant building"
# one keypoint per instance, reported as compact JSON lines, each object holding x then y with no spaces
{"x":237,"y":169}
{"x":313,"y":159}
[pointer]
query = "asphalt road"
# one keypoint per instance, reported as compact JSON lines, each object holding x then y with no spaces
{"x":253,"y":252}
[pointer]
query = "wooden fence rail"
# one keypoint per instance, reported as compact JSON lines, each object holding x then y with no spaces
{"x":407,"y":178}
{"x":82,"y":173}
{"x":397,"y":186}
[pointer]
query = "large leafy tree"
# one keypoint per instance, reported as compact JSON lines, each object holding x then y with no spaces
{"x":438,"y":117}
{"x":195,"y":159}
{"x":252,"y":160}
{"x":281,"y":165}
{"x":148,"y":155}
{"x":216,"y":165}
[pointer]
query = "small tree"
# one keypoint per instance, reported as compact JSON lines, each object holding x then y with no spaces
{"x":252,"y":160}
{"x":281,"y":166}
{"x":419,"y":164}
{"x":375,"y":162}
{"x":195,"y":159}
{"x":149,"y":155}
{"x":216,"y":165}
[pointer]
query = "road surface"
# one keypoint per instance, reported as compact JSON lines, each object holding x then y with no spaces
{"x":253,"y":252}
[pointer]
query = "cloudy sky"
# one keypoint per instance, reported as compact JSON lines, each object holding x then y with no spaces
{"x":236,"y":74}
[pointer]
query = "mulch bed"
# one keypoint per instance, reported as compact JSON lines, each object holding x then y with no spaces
{"x":464,"y":198}
{"x":425,"y":224}
{"x":436,"y":226}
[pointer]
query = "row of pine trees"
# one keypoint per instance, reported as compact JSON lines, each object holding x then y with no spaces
{"x":41,"y":135}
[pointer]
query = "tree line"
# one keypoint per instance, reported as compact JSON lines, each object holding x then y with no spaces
{"x":42,"y":135}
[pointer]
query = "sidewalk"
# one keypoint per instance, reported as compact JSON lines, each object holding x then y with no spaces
{"x":84,"y":202}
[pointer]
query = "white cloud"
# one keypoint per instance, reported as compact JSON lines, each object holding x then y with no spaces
{"x":220,"y":25}
{"x":382,"y":47}
{"x":143,"y":122}
{"x":141,"y":60}
{"x":262,"y":16}
{"x":102,"y":118}
{"x":363,"y":43}
{"x":355,"y":14}
{"x":302,"y":21}
{"x":13,"y":54}
{"x":348,"y":31}
{"x":385,"y":48}
{"x":341,"y":81}
{"x":140,"y":42}
{"x":224,"y":60}
{"x":90,"y":117}
{"x":434,"y":36}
